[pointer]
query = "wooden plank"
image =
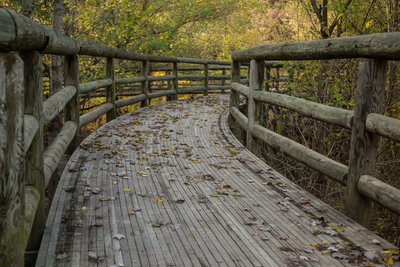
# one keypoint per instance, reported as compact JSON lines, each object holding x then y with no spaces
{"x":364,"y":145}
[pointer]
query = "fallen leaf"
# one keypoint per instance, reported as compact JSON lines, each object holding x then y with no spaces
{"x":70,"y":189}
{"x":372,"y":255}
{"x":84,"y":208}
{"x":171,"y":179}
{"x":375,"y":241}
{"x":304,"y":258}
{"x":95,"y":190}
{"x":214,"y":195}
{"x":256,"y":233}
{"x":179,"y":201}
{"x":315,"y":245}
{"x":142,"y":174}
{"x":225,"y":186}
{"x":94,"y":175}
{"x":326,"y":251}
{"x":126,"y":190}
{"x":325,"y":242}
{"x":159,"y":200}
{"x":61,"y":256}
{"x":98,"y":224}
{"x":131,"y":212}
{"x":105,"y":199}
{"x":238,"y":195}
{"x":118,"y":236}
{"x":337,"y":229}
{"x":186,"y":183}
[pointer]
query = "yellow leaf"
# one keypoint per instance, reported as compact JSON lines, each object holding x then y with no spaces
{"x":315,"y":245}
{"x":220,"y":153}
{"x":214,"y":195}
{"x":346,"y":243}
{"x":326,"y":251}
{"x":131,"y":212}
{"x":238,"y":195}
{"x":337,"y":229}
{"x":200,"y":181}
{"x":196,"y":161}
{"x":311,"y":216}
{"x":94,"y":175}
{"x":186,"y":183}
{"x":159,"y":200}
{"x":84,"y":208}
{"x":127,"y":190}
{"x":105,"y":199}
{"x":324,"y":242}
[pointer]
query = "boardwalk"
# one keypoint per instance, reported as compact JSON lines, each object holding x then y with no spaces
{"x":169,"y":185}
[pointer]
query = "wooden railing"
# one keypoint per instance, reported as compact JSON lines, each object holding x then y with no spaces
{"x":25,"y":167}
{"x":366,"y":122}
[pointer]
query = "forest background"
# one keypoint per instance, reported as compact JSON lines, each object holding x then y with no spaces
{"x":212,"y":29}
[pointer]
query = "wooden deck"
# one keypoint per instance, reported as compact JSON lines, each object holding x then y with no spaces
{"x":169,"y":185}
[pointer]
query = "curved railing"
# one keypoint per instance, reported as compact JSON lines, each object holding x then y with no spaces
{"x":24,"y":113}
{"x":366,"y":122}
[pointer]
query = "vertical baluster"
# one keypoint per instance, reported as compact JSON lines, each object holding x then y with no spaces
{"x":11,"y":159}
{"x":34,"y":156}
{"x":72,"y":112}
{"x":254,"y":112}
{"x":175,"y":83}
{"x":110,"y":90}
{"x":206,"y":77}
{"x":145,"y":83}
{"x":364,"y":145}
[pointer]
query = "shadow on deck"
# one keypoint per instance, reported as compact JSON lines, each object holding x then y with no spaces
{"x":170,"y":185}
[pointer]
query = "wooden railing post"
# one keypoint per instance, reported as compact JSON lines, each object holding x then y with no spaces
{"x":145,"y":83}
{"x":254,"y":112}
{"x":11,"y":160}
{"x":34,"y":173}
{"x":363,"y":148}
{"x":175,"y":83}
{"x":71,"y":77}
{"x":110,"y":90}
{"x":206,"y":78}
{"x":223,"y":81}
{"x":235,"y":101}
{"x":169,"y":86}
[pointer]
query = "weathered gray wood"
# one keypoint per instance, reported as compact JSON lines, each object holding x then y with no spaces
{"x":56,"y":150}
{"x":31,"y":205}
{"x":94,"y":85}
{"x":206,"y":78}
{"x":175,"y":84}
{"x":11,"y":160}
{"x":217,"y":88}
{"x":161,"y":78}
{"x":380,"y":192}
{"x":240,"y":88}
{"x":94,"y":114}
{"x":72,"y":109}
{"x":160,"y":94}
{"x":254,"y":107}
{"x":363,"y":148}
{"x":239,"y":117}
{"x":31,"y":127}
{"x":110,"y":90}
{"x":308,"y":108}
{"x":130,"y":101}
{"x":56,"y":103}
{"x":385,"y":126}
{"x":34,"y":166}
{"x":224,"y":80}
{"x":191,"y":77}
{"x":235,"y":100}
{"x":186,"y":90}
{"x":129,"y":80}
{"x":380,"y":45}
{"x":303,"y":154}
{"x":145,"y":83}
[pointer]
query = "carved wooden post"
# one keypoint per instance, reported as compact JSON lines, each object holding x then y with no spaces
{"x":34,"y":156}
{"x":175,"y":83}
{"x":145,"y":83}
{"x":71,"y":77}
{"x":223,"y":81}
{"x":363,"y":149}
{"x":206,"y":78}
{"x":254,"y":107}
{"x":11,"y":160}
{"x":110,"y":90}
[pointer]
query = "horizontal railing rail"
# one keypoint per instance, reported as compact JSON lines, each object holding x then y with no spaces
{"x":22,"y":46}
{"x":366,"y":121}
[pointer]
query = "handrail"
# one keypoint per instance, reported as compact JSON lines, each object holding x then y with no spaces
{"x":31,"y":41}
{"x":366,"y":121}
